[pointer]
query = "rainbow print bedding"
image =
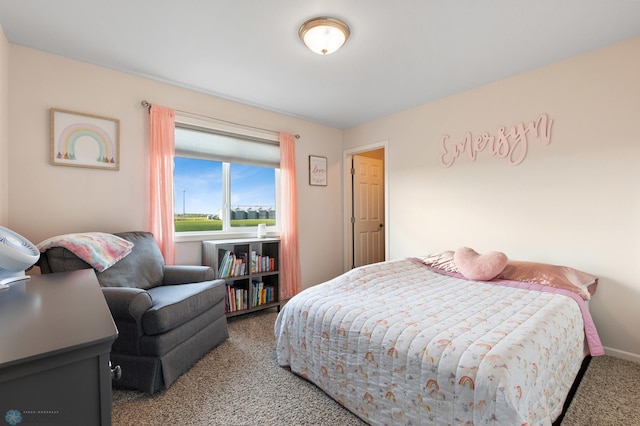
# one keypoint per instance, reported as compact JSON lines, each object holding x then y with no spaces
{"x":399,"y":343}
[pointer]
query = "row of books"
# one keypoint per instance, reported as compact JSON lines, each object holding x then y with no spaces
{"x":262,"y":294}
{"x":236,"y":299}
{"x":235,"y":265}
{"x":232,"y":265}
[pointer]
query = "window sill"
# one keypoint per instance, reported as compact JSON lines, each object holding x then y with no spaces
{"x":185,"y":237}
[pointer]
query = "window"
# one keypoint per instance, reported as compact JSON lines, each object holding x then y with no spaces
{"x":224,"y":182}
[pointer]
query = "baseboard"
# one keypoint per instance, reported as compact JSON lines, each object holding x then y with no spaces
{"x":622,"y":354}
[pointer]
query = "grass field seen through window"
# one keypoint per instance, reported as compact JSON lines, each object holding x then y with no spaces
{"x":195,"y":223}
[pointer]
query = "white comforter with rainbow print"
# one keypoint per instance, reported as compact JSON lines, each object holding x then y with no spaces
{"x":398,"y":343}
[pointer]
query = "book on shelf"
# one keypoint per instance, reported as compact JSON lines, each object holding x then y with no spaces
{"x":237,"y":268}
{"x":268,"y":294}
{"x":257,"y":291}
{"x":254,"y":259}
{"x":230,"y":299}
{"x":230,"y":261}
{"x":223,"y":263}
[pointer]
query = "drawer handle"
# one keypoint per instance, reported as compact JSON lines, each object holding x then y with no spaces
{"x":116,"y":372}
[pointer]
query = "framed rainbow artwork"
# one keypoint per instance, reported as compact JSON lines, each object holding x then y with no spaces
{"x":84,"y":140}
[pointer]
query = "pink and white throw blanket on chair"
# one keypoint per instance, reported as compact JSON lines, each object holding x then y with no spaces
{"x":99,"y":249}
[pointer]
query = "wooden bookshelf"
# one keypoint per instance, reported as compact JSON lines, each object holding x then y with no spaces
{"x":250,"y":268}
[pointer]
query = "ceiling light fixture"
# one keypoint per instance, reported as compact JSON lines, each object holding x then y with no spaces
{"x":324,"y":35}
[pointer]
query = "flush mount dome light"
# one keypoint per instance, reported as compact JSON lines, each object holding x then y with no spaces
{"x":324,"y":35}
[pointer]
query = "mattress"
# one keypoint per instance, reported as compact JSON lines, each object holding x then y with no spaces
{"x":399,"y":343}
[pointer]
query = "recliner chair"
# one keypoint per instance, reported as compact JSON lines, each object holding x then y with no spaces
{"x":167,"y":316}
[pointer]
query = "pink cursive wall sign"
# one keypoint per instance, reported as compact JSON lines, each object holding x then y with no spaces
{"x":511,"y":145}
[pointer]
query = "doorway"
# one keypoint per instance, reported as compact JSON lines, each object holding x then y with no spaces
{"x":366,"y":233}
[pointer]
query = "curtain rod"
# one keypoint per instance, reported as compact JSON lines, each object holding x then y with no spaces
{"x":148,"y":105}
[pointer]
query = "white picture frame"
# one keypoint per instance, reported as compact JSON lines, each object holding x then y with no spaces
{"x":317,"y":170}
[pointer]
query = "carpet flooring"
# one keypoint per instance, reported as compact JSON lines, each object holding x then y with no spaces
{"x":239,"y":383}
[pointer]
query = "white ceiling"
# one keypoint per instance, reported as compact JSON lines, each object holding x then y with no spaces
{"x":401,"y":54}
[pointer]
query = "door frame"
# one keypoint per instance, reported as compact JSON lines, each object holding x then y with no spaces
{"x":348,"y":196}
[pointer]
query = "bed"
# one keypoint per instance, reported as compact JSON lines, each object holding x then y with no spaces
{"x":402,"y":342}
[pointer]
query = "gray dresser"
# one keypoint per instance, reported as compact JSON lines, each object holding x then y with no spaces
{"x":56,"y":333}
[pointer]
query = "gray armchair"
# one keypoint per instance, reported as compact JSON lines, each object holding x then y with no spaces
{"x":168,"y":317}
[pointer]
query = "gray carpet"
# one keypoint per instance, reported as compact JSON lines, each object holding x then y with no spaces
{"x":608,"y":395}
{"x":239,"y":383}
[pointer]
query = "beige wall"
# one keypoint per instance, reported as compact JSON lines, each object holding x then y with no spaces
{"x":48,"y":200}
{"x":575,"y":202}
{"x":4,"y":130}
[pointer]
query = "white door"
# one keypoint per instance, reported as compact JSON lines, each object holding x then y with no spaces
{"x":368,"y":210}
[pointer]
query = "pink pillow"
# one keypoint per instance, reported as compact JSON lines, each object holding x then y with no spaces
{"x":479,"y":267}
{"x":442,"y":260}
{"x":551,"y":275}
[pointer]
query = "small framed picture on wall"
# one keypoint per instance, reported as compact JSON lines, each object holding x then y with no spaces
{"x":317,"y":170}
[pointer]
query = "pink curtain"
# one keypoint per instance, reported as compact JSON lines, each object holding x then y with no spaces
{"x":290,"y":252}
{"x":162,"y":148}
